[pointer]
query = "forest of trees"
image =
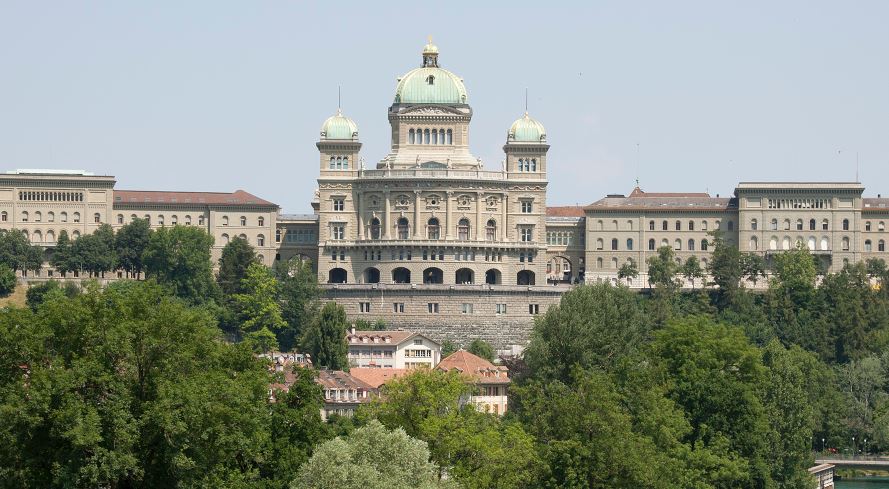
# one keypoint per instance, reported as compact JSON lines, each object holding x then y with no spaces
{"x":156,"y":383}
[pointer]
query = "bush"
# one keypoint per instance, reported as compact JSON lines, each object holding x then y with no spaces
{"x":7,"y":280}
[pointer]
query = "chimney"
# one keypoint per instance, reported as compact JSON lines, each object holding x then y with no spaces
{"x":352,"y":329}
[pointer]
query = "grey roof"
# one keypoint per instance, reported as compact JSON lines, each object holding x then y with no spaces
{"x":874,"y":204}
{"x":671,"y":203}
{"x":297,"y":217}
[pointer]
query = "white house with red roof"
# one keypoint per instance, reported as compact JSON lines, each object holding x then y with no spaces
{"x":490,"y":381}
{"x":391,"y":349}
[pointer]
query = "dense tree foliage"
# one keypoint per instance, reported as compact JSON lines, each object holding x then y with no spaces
{"x":481,"y":349}
{"x":237,"y":256}
{"x":17,"y":252}
{"x":325,"y":338}
{"x":179,"y":259}
{"x":130,"y":243}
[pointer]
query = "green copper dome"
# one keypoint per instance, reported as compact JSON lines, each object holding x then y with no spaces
{"x":527,"y":130}
{"x":339,"y":127}
{"x":430,"y":84}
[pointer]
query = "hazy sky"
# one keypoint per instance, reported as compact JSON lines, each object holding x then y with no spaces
{"x":221,"y":95}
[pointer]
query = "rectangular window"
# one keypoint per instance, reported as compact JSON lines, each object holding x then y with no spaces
{"x":526,"y":233}
{"x":527,"y":207}
{"x":533,"y":308}
{"x":500,"y":309}
{"x":467,"y":308}
{"x":398,"y":307}
{"x":364,"y":306}
{"x":433,"y":308}
{"x":339,"y":205}
{"x":338,"y":232}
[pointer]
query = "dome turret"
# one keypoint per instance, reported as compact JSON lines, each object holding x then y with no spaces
{"x":526,"y":130}
{"x":339,"y":127}
{"x":430,"y":84}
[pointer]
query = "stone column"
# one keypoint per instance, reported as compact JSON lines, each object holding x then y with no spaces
{"x":479,"y":229}
{"x":448,"y":232}
{"x":359,"y":210}
{"x":416,"y":214}
{"x":504,"y":233}
{"x":386,"y":223}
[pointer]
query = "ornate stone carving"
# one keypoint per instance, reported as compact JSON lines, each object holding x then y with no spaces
{"x":429,"y":111}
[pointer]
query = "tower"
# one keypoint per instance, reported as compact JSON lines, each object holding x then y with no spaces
{"x":526,"y":149}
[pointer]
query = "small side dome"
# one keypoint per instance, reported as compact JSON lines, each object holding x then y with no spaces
{"x":339,"y":127}
{"x":526,"y":130}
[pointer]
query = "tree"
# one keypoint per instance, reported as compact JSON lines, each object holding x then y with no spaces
{"x":448,"y":347}
{"x":130,"y":244}
{"x":481,"y":349}
{"x":237,"y":257}
{"x":39,"y":293}
{"x":18,"y":253}
{"x":692,"y":270}
{"x":628,"y":271}
{"x":62,"y":257}
{"x":94,"y":253}
{"x":371,"y":457}
{"x":325,"y":338}
{"x":298,"y":296}
{"x":7,"y":280}
{"x":662,"y":269}
{"x":791,"y":298}
{"x":258,"y":307}
{"x":179,"y":259}
{"x":753,"y":267}
{"x":725,"y":268}
{"x":592,"y":326}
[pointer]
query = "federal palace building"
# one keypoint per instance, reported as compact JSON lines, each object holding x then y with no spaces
{"x":430,"y":239}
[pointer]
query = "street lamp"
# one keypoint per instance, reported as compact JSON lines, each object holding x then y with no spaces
{"x":865,"y":446}
{"x":822,"y":445}
{"x":853,"y":446}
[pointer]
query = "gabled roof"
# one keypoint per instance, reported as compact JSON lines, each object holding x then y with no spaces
{"x":481,"y":370}
{"x":238,"y":197}
{"x":337,"y":379}
{"x":870,"y":204}
{"x":383,"y":337}
{"x":375,"y":377}
{"x":650,"y":201}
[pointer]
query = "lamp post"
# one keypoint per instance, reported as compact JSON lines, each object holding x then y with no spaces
{"x":822,"y":445}
{"x":853,"y":446}
{"x":865,"y":446}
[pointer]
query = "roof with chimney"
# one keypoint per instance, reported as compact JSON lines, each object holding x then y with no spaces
{"x":237,"y":198}
{"x":481,"y":370}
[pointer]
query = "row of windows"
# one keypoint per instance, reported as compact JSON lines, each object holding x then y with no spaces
{"x":51,"y":196}
{"x":161,"y":220}
{"x":260,"y":239}
{"x":652,"y":244}
{"x":526,"y":164}
{"x":435,"y":308}
{"x":430,"y":136}
{"x":881,"y":226}
{"x":464,"y":255}
{"x":799,"y":203}
{"x":665,"y":225}
{"x":339,"y":162}
{"x":433,"y":229}
{"x":600,"y":262}
{"x":787,"y":243}
{"x":800,"y":224}
{"x":296,"y":236}
{"x":38,"y":237}
{"x":559,"y":238}
{"x":50,"y":217}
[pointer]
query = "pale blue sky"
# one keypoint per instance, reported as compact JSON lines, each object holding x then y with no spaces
{"x":220,"y":95}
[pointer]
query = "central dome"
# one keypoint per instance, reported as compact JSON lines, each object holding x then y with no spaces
{"x":430,"y":84}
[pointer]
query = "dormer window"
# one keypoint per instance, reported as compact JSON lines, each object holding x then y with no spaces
{"x":430,"y":80}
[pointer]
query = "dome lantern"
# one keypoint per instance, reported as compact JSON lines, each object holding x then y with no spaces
{"x":526,"y":130}
{"x":339,"y":127}
{"x":430,"y":84}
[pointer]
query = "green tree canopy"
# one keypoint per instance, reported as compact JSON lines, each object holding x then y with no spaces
{"x":298,"y":296}
{"x":178,"y":258}
{"x":258,"y":307}
{"x":17,"y":252}
{"x":130,"y":244}
{"x":482,"y":349}
{"x":662,"y":268}
{"x":237,"y":257}
{"x":325,"y":338}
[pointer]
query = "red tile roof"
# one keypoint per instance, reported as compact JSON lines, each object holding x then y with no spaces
{"x":565,"y":211}
{"x":238,"y":197}
{"x":375,"y":377}
{"x":337,"y":379}
{"x":481,"y":370}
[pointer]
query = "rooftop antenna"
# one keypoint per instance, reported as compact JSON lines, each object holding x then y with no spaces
{"x":339,"y":98}
{"x":526,"y":100}
{"x":637,"y":164}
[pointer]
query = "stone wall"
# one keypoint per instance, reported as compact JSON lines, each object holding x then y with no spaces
{"x":451,"y":322}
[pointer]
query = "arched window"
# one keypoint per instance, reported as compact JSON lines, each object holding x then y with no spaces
{"x":753,"y":224}
{"x":450,"y":136}
{"x":599,"y":263}
{"x":825,"y":243}
{"x":785,"y":243}
{"x":651,"y":225}
{"x":845,"y":224}
{"x":491,"y":230}
{"x":4,"y":216}
{"x":614,"y":244}
{"x":402,"y":228}
{"x":704,"y":245}
{"x":677,"y":245}
{"x":787,"y":224}
{"x":630,"y":244}
{"x":773,"y":243}
{"x":799,"y":224}
{"x":120,"y":218}
{"x":533,"y":164}
{"x":225,"y":220}
{"x":260,"y":221}
{"x":174,"y":219}
{"x":463,"y":229}
{"x":812,"y":224}
{"x":37,"y":237}
{"x":24,"y":216}
{"x":50,"y":237}
{"x":881,"y":226}
{"x":243,"y":220}
{"x":614,"y":263}
{"x":277,"y":236}
{"x":435,"y":136}
{"x":160,"y":220}
{"x":525,"y":277}
{"x":664,"y":226}
{"x":433,"y":229}
{"x":76,"y":217}
{"x":678,"y":226}
{"x":664,"y":242}
{"x":881,"y":245}
{"x":600,"y":244}
{"x":333,"y":162}
{"x":651,"y":245}
{"x":703,"y":225}
{"x":691,"y":245}
{"x":38,"y":216}
{"x":867,"y":246}
{"x":188,"y":220}
{"x":63,"y":217}
{"x":691,"y":225}
{"x":630,"y":225}
{"x":614,"y":225}
{"x":426,"y":136}
{"x":224,"y":238}
{"x":774,"y":225}
{"x":731,"y":225}
{"x":811,"y":243}
{"x":375,"y":228}
{"x":244,"y":237}
{"x":410,"y":137}
{"x":845,"y":243}
{"x":75,"y":234}
{"x":867,"y":226}
{"x":754,"y":243}
{"x":260,"y":240}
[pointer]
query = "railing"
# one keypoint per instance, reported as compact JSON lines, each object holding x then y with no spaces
{"x":434,"y":173}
